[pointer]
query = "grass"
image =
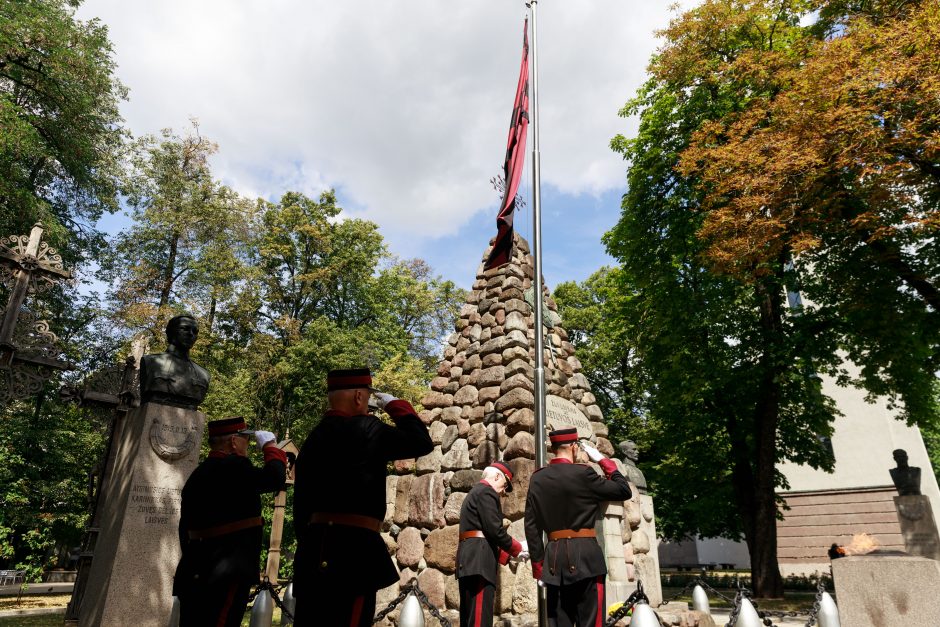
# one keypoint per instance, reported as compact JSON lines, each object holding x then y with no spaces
{"x":28,"y":602}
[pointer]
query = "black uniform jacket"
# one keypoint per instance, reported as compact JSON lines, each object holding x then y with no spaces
{"x":561,"y":496}
{"x":481,"y":511}
{"x":341,"y":469}
{"x":224,"y":489}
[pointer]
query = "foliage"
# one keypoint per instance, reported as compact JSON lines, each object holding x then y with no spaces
{"x":187,"y":247}
{"x":60,"y":129}
{"x":836,"y":166}
{"x":740,"y":96}
{"x":595,"y":318}
{"x":43,"y":503}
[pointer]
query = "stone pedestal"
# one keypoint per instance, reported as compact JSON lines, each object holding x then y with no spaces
{"x":609,"y":530}
{"x":918,"y":527}
{"x":131,"y":578}
{"x":887,"y":590}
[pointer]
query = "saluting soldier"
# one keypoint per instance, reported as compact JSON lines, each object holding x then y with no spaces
{"x":339,"y":501}
{"x":484,"y":543}
{"x":221,"y":527}
{"x":564,"y":501}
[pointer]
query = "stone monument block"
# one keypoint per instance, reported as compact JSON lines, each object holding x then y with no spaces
{"x":138,"y":546}
{"x":561,"y":413}
{"x":918,"y":526}
{"x":887,"y":590}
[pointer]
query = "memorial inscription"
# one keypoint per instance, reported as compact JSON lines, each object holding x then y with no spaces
{"x":560,"y":413}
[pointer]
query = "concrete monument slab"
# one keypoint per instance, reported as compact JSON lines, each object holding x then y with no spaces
{"x":918,"y":526}
{"x":138,"y":546}
{"x":887,"y":590}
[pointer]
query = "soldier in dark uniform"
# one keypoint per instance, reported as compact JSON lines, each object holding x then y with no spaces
{"x":339,"y":502}
{"x":483,"y":543}
{"x":563,"y":501}
{"x":221,"y":526}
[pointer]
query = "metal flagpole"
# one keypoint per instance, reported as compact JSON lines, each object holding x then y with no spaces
{"x":537,"y":280}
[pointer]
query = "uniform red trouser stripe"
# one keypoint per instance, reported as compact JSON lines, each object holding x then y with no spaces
{"x":223,"y":615}
{"x":478,"y":604}
{"x":601,"y":610}
{"x":356,"y":611}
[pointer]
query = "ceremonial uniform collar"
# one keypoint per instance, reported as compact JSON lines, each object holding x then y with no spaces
{"x":560,"y":460}
{"x":336,"y":413}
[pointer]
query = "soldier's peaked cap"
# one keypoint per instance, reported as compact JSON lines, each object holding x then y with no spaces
{"x":503,"y":468}
{"x":349,"y":379}
{"x":563,"y":436}
{"x":226,"y":426}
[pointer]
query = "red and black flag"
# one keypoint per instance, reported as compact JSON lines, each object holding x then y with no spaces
{"x":515,"y":157}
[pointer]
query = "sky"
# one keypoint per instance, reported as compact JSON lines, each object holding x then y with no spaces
{"x":401,"y":106}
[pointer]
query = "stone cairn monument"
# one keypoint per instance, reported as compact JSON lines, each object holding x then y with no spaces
{"x":157,"y":448}
{"x":480,"y":409}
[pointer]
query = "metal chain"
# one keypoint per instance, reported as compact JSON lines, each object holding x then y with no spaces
{"x":422,"y":597}
{"x":391,"y":606}
{"x":637,"y":596}
{"x":267,"y":585}
{"x":820,"y":588}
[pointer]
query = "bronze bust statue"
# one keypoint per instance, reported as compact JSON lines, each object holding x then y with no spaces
{"x":171,"y":378}
{"x":630,"y":457}
{"x":906,"y":478}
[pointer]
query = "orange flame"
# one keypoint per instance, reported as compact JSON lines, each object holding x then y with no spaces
{"x":861,"y":544}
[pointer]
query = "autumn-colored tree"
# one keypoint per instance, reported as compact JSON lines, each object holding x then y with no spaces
{"x":838,"y":169}
{"x":742,"y":129}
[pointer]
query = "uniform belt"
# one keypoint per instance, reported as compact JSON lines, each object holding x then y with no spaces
{"x":227,"y":528}
{"x":564,"y":534}
{"x":350,"y":520}
{"x":466,"y":535}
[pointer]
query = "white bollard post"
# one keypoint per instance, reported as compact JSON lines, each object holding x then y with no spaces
{"x":262,"y":612}
{"x":700,"y":600}
{"x":643,"y":616}
{"x":175,"y":613}
{"x":747,"y":615}
{"x":828,"y":615}
{"x":289,"y":603}
{"x":411,"y":613}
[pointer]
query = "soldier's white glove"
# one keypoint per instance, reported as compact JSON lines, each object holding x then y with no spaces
{"x":523,"y":556}
{"x":591,"y":452}
{"x":525,"y":546}
{"x":263,"y":437}
{"x":383,"y":399}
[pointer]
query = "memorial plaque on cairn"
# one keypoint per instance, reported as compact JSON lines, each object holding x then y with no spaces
{"x":138,"y":544}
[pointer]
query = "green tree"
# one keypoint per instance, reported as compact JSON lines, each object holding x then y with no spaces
{"x":711,"y":256}
{"x":61,"y":134}
{"x":595,"y":316}
{"x":188,"y":246}
{"x":731,"y":370}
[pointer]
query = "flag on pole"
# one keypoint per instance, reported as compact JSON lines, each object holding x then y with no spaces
{"x":515,"y":157}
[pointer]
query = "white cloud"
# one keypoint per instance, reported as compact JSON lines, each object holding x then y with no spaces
{"x":404,"y":106}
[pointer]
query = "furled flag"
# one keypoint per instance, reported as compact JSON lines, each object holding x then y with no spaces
{"x":515,"y":157}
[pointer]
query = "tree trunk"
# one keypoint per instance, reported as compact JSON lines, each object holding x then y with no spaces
{"x":765,"y":573}
{"x":169,"y":272}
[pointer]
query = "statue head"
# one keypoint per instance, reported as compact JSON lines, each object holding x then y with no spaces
{"x":629,"y":450}
{"x":182,"y":331}
{"x":900,"y":456}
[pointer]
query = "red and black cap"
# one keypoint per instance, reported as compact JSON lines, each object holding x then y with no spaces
{"x":349,"y":379}
{"x":227,"y":426}
{"x":563,"y":436}
{"x":503,"y":468}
